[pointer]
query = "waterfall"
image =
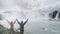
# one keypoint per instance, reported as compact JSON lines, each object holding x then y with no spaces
{"x":59,"y":15}
{"x":53,"y":15}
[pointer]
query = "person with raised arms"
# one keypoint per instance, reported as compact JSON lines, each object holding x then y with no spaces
{"x":22,"y":26}
{"x":11,"y":26}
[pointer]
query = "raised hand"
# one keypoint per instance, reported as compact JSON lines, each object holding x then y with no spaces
{"x":18,"y":21}
{"x":25,"y":21}
{"x":14,"y":22}
{"x":7,"y":21}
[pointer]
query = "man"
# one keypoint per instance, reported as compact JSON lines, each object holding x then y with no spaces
{"x":11,"y":26}
{"x":22,"y":26}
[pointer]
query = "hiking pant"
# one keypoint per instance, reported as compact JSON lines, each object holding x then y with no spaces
{"x":11,"y":31}
{"x":21,"y":31}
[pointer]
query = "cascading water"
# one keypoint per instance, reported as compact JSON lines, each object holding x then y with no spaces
{"x":59,"y":15}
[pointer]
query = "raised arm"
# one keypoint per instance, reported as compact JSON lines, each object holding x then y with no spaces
{"x":8,"y":21}
{"x":18,"y":21}
{"x":14,"y":22}
{"x":25,"y":21}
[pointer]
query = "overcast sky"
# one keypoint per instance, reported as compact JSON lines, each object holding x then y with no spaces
{"x":40,"y":4}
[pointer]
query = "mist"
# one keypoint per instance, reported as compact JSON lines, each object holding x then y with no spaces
{"x":36,"y":10}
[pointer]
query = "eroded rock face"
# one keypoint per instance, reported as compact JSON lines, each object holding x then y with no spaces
{"x":59,"y":15}
{"x":53,"y":14}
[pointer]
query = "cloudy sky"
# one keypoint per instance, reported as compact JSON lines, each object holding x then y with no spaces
{"x":30,"y":4}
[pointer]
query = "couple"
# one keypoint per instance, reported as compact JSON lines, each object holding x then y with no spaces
{"x":21,"y":26}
